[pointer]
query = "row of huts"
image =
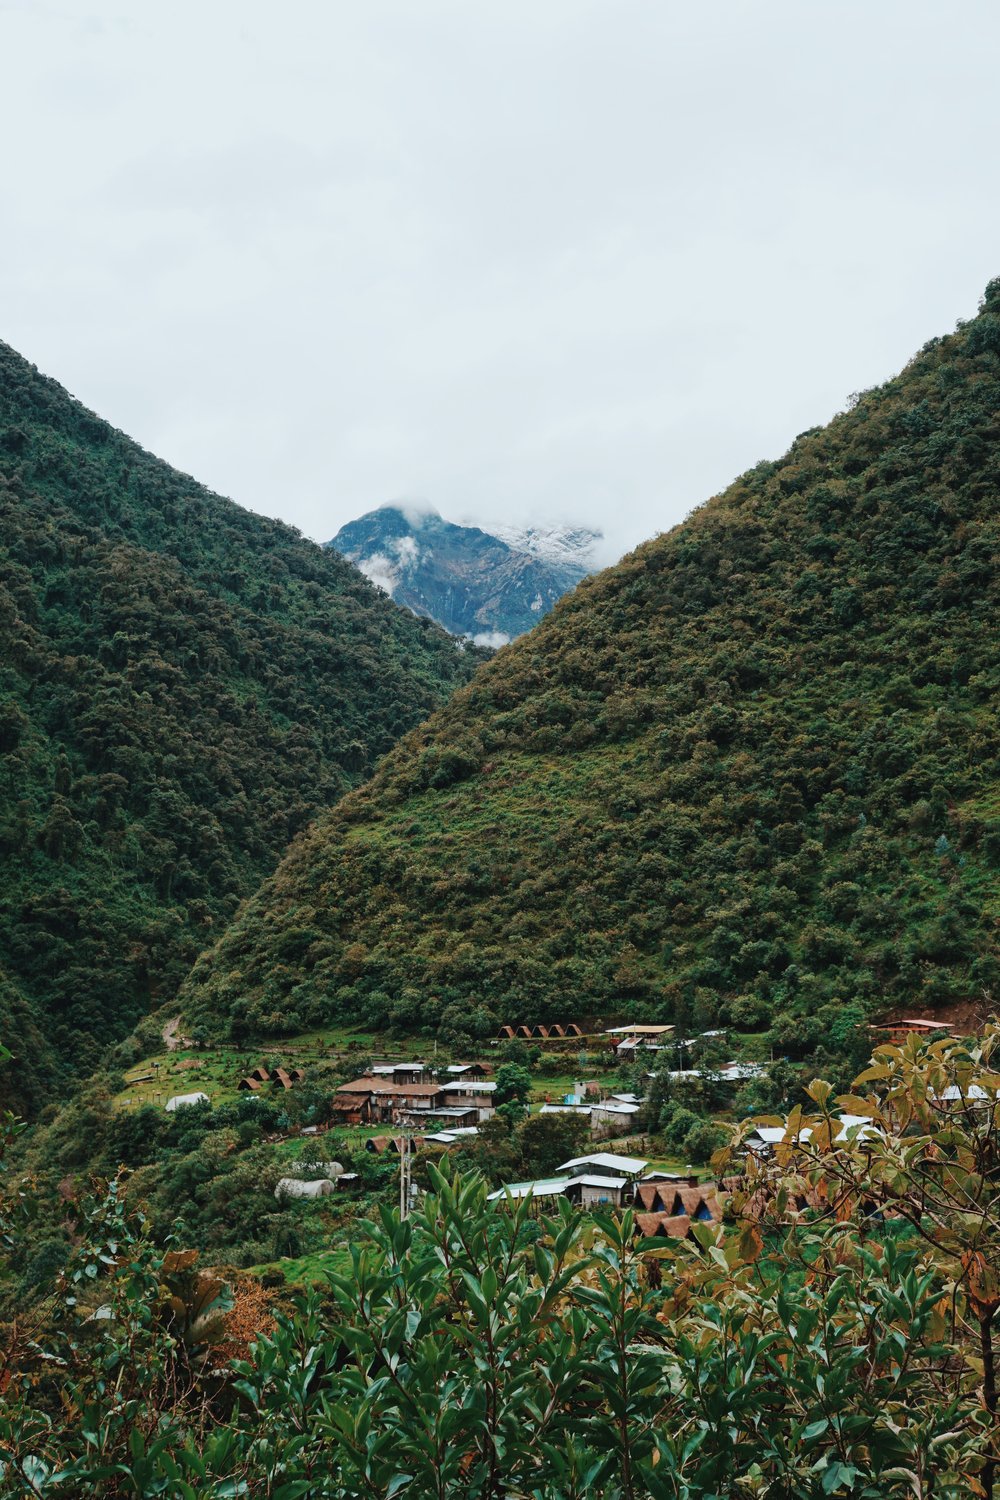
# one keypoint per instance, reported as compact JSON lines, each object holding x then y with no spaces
{"x":283,"y":1078}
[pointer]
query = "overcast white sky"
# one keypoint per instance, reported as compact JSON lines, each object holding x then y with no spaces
{"x":561,"y":259}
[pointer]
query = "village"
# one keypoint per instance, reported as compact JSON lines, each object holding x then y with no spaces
{"x":410,"y":1109}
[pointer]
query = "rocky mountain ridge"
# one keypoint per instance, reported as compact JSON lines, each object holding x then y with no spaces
{"x":486,"y":586}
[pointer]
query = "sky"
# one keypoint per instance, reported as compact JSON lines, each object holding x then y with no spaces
{"x":557,"y":261}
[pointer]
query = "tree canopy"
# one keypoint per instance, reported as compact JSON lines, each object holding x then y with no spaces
{"x":183,"y":685}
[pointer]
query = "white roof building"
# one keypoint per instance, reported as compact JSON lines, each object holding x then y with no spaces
{"x":556,"y":1187}
{"x":469,"y":1086}
{"x":733,"y":1072}
{"x":607,"y":1161}
{"x":852,"y":1128}
{"x":548,"y":1187}
{"x":294,"y":1187}
{"x":638,"y":1029}
{"x":184,"y":1101}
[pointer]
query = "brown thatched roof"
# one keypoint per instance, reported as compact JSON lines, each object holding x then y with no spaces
{"x":663,"y":1226}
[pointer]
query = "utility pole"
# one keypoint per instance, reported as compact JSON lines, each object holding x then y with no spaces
{"x":404,"y":1176}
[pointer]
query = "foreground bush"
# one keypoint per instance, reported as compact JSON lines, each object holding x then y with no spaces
{"x":836,"y":1339}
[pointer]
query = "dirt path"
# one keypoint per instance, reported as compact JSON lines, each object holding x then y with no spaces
{"x":171,"y":1040}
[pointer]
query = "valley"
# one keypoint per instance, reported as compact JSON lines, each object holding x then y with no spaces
{"x":436,"y":1072}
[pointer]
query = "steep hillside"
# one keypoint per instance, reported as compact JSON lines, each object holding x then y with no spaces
{"x":182,"y":685}
{"x":472,"y":583}
{"x":749,"y":775}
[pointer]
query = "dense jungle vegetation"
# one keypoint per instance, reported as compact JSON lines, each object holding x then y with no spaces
{"x":748,"y":776}
{"x":183,"y":684}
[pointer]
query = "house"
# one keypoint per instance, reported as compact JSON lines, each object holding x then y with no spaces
{"x":681,"y":1179}
{"x":547,"y":1187}
{"x":401,"y":1072}
{"x":468,"y":1088}
{"x":471,"y":1094}
{"x":730,"y":1072}
{"x":371,"y":1100}
{"x":636,"y":1032}
{"x":914,"y":1026}
{"x":584,"y":1189}
{"x":407,"y":1097}
{"x":852,"y":1129}
{"x":608,"y":1163}
{"x":353,"y":1103}
{"x":565,"y":1109}
{"x":582,"y":1092}
{"x":455,"y":1117}
{"x":762,"y":1139}
{"x":590,"y":1190}
{"x":468,"y":1070}
{"x":611,"y":1118}
{"x":251,"y":1083}
{"x":972,"y":1094}
{"x":185,"y":1101}
{"x":450,"y":1137}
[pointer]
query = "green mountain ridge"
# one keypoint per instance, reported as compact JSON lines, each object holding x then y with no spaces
{"x":183,"y":684}
{"x":749,"y":775}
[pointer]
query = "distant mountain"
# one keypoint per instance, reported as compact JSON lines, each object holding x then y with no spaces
{"x":488,"y":587}
{"x":748,"y":777}
{"x":183,"y":685}
{"x":569,"y":547}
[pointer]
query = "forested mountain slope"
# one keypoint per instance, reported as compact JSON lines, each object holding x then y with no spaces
{"x":182,"y":685}
{"x":750,"y":774}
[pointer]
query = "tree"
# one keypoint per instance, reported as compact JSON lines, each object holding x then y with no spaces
{"x":513,"y":1090}
{"x":546,"y":1141}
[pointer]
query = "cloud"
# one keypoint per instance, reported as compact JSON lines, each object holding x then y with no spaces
{"x":575,"y":261}
{"x":380,"y":570}
{"x":415,"y":512}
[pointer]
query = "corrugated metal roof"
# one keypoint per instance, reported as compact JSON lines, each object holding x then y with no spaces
{"x":598,"y":1182}
{"x":546,"y":1187}
{"x":630,"y":1165}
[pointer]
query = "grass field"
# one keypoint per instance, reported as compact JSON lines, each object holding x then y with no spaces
{"x":216,"y":1071}
{"x":304,"y":1270}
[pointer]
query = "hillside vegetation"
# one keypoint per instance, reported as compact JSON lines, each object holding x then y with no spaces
{"x":182,"y":685}
{"x":748,"y":775}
